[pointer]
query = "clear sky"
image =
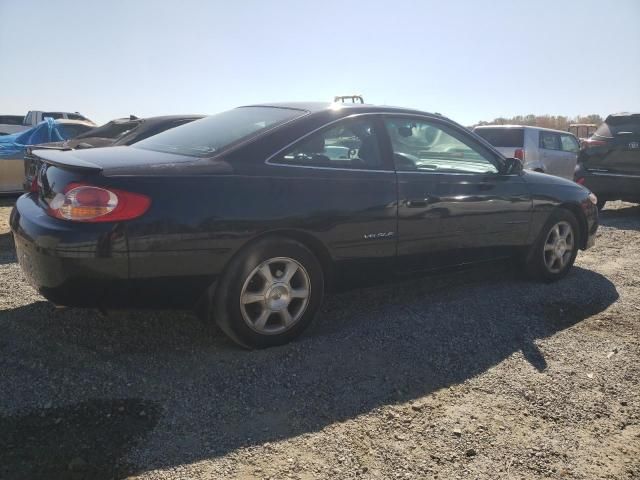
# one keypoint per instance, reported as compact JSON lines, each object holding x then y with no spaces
{"x":470,"y":60}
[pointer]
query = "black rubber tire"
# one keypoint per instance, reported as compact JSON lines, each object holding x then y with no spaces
{"x":601,"y":204}
{"x":225,"y":305}
{"x":535,"y":266}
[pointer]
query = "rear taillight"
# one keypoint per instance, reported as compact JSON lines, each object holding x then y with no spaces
{"x":580,"y":180}
{"x":519,"y":154}
{"x":88,"y":203}
{"x":590,"y":143}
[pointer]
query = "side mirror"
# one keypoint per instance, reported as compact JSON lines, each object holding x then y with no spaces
{"x":513,"y":166}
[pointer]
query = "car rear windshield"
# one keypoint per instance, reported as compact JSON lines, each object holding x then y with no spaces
{"x":617,"y":125}
{"x":503,"y":137}
{"x":212,"y":134}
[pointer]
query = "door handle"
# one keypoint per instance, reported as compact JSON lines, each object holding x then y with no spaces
{"x":418,"y":202}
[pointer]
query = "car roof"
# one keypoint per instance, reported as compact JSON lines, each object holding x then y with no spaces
{"x":160,"y":118}
{"x":622,"y":115}
{"x":163,"y":118}
{"x":317,"y":107}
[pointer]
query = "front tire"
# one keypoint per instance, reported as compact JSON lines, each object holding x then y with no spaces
{"x":555,"y":250}
{"x":269,"y":293}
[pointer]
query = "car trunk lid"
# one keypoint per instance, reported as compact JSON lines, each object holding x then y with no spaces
{"x":114,"y":161}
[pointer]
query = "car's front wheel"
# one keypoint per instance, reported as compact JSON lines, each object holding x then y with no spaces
{"x":269,"y":293}
{"x":554,"y":253}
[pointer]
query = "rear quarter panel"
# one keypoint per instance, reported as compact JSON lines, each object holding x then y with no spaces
{"x":197,"y":223}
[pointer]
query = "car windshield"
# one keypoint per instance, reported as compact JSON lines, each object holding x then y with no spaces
{"x":212,"y":134}
{"x":503,"y":137}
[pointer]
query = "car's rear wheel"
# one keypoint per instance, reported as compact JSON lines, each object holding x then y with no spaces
{"x":269,"y":293}
{"x":554,"y":253}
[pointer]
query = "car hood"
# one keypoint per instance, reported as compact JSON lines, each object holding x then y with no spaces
{"x":551,"y":184}
{"x":538,"y":178}
{"x":132,"y":161}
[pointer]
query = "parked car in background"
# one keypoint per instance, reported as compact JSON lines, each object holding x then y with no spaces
{"x":582,"y":130}
{"x":541,"y":149}
{"x":13,"y":147}
{"x":122,"y":131}
{"x":252,"y":214}
{"x":609,"y":161}
{"x":9,"y":123}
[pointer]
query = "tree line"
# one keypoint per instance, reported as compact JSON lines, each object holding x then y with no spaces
{"x":557,"y":122}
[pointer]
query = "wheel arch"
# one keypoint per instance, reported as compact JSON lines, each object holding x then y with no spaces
{"x":313,"y":243}
{"x":582,"y":221}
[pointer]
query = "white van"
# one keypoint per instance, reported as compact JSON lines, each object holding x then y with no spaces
{"x":541,"y":149}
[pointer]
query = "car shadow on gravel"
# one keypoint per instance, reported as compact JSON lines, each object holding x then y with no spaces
{"x":81,"y":441}
{"x":206,"y":398}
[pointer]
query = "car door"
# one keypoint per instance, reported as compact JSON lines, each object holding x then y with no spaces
{"x":551,"y":153}
{"x":569,"y":146}
{"x":345,"y":190}
{"x":454,"y":204}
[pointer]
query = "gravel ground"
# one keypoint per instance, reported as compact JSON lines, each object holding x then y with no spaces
{"x":477,"y":374}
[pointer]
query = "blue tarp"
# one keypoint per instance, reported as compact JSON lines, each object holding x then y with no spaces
{"x":46,"y":131}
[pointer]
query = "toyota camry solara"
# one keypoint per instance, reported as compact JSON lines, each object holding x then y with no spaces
{"x":251,"y":215}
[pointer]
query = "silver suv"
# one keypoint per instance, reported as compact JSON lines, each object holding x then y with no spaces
{"x":541,"y":149}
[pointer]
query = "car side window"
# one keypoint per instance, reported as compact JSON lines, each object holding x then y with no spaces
{"x":424,"y":146}
{"x":350,"y":144}
{"x":549,"y":140}
{"x":569,"y":144}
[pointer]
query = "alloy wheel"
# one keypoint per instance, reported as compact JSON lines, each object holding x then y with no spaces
{"x":275,"y":295}
{"x":558,"y":247}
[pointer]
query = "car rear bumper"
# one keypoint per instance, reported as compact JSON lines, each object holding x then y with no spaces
{"x":88,"y":265}
{"x":611,"y":186}
{"x":83,"y":266}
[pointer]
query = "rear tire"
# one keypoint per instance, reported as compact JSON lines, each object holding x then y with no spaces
{"x":269,"y":293}
{"x":555,"y":250}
